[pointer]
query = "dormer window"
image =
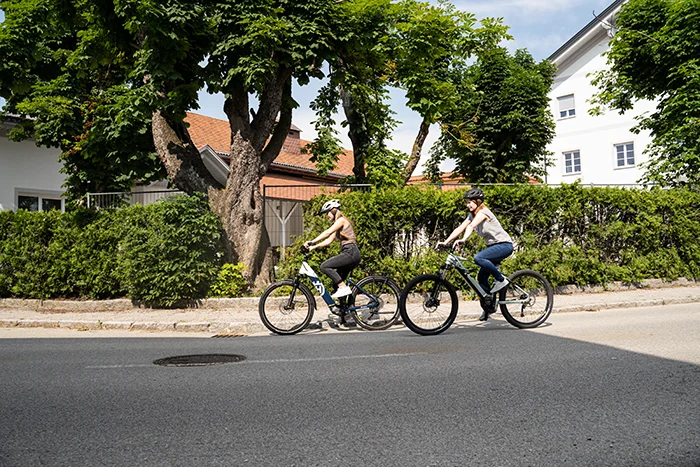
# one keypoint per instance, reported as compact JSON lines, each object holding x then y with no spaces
{"x":566,"y":106}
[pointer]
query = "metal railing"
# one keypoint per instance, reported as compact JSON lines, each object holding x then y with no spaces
{"x":116,"y":200}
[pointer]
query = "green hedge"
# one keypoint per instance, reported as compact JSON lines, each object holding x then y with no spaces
{"x":162,"y":255}
{"x":171,"y":252}
{"x":572,"y":234}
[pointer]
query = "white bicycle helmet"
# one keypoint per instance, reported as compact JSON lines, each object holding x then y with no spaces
{"x":329,"y":206}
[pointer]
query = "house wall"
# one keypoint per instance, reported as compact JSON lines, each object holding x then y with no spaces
{"x":27,"y":169}
{"x":594,"y":137}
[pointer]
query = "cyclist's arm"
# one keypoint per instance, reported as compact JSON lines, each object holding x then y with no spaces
{"x":478,"y":219}
{"x":323,"y":244}
{"x":327,"y":235}
{"x":456,"y":232}
{"x":467,"y":227}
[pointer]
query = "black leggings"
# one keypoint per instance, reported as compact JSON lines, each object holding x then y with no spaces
{"x":338,"y":267}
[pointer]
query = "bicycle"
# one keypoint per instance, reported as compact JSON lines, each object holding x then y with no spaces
{"x":287,"y":307}
{"x":429,"y":304}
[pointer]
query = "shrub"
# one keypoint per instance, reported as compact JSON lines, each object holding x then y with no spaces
{"x":171,"y":252}
{"x":160,"y":254}
{"x":230,"y":281}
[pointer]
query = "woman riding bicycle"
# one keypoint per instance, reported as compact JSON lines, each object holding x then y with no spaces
{"x":499,"y":244}
{"x":338,"y":267}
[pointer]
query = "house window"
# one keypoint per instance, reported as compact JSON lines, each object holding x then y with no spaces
{"x":566,"y":106}
{"x":39,"y":202}
{"x":572,"y":162}
{"x":624,"y":155}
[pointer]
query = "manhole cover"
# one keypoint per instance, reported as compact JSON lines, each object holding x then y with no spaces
{"x":199,"y":360}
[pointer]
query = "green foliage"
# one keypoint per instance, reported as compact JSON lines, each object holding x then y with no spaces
{"x":230,"y":281}
{"x":410,"y":45}
{"x":159,"y":254}
{"x":655,"y":55}
{"x":500,"y":130}
{"x":572,"y":234}
{"x":62,"y":66}
{"x":171,"y":252}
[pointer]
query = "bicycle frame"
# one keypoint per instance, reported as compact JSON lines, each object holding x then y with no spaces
{"x":456,"y":262}
{"x":307,"y":270}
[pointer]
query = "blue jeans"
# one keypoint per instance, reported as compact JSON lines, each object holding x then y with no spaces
{"x":489,"y":260}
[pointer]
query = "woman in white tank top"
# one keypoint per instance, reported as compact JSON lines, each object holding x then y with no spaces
{"x":499,"y":244}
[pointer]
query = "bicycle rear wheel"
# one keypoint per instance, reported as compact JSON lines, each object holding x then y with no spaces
{"x":381,"y":301}
{"x":428,"y":305}
{"x":529,"y":299}
{"x":286,"y":309}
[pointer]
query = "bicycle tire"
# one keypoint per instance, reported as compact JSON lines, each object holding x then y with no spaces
{"x":419,"y":313}
{"x":275,"y":312}
{"x":385,"y":291}
{"x":530,"y":285}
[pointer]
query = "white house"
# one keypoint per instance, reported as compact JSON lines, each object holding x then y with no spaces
{"x":29,"y":175}
{"x":593,"y":149}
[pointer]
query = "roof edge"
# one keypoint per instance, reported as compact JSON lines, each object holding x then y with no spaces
{"x":586,"y":29}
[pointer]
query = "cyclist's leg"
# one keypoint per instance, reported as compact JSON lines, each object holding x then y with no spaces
{"x":488,"y":260}
{"x":329,"y":267}
{"x":338,"y":267}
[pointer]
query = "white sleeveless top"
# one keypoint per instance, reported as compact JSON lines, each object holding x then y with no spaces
{"x":491,"y":230}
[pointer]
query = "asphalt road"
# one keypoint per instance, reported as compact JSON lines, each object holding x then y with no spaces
{"x":616,"y":387}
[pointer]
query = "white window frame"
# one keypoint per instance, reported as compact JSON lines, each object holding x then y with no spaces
{"x":573,"y":165}
{"x":569,"y":109}
{"x":625,"y":149}
{"x":41,"y":195}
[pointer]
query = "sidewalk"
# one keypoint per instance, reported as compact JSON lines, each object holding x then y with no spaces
{"x":239,"y":317}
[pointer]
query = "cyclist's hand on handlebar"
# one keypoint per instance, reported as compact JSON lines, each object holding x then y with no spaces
{"x":458,"y":243}
{"x":306,"y":247}
{"x":439,"y":245}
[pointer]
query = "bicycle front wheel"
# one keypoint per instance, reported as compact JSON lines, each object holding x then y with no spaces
{"x":378,"y":305}
{"x":428,"y":305}
{"x":528,"y":299}
{"x":285,"y":308}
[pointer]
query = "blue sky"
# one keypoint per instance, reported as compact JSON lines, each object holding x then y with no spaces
{"x":540,"y":26}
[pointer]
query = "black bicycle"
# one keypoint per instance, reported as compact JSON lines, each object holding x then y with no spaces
{"x":429,"y":303}
{"x":287,"y":306}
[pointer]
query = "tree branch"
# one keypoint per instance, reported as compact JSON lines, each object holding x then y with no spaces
{"x":279,"y":136}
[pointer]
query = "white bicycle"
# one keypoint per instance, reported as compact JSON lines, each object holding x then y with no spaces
{"x":287,"y":306}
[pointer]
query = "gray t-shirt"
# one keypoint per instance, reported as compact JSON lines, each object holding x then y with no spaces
{"x":491,"y":229}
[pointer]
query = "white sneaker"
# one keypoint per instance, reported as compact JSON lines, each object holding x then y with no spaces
{"x":498,"y":285}
{"x":342,"y":292}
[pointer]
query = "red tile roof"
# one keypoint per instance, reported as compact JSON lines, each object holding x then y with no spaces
{"x":217,"y":134}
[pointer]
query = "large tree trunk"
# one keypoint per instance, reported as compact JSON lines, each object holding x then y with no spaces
{"x":416,"y":151}
{"x":254,"y":145}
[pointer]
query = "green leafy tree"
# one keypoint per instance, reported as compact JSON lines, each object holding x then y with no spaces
{"x":500,"y":131}
{"x":410,"y":45}
{"x":118,"y":71}
{"x":655,"y":55}
{"x":77,"y":94}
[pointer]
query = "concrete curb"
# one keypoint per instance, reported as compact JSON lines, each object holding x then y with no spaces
{"x":628,"y":304}
{"x":248,"y":303}
{"x":243,"y":329}
{"x":248,"y":328}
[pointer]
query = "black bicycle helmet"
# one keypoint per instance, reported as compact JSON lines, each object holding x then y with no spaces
{"x":474,"y":193}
